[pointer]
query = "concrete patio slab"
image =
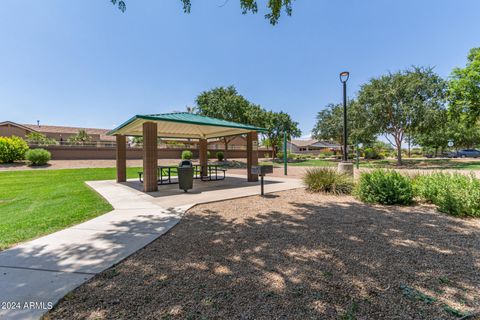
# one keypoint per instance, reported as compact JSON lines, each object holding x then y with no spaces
{"x":30,"y":293}
{"x":45,"y":269}
{"x":170,"y":196}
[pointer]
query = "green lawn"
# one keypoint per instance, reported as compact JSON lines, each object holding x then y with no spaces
{"x":307,"y":163}
{"x":431,"y":164}
{"x":38,"y":202}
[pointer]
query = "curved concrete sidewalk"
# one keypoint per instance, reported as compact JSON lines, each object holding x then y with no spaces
{"x":36,"y":274}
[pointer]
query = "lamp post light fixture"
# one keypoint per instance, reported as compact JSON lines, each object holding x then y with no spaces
{"x":343,"y":79}
{"x":345,"y":166}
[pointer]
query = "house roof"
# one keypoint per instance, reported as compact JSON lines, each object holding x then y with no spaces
{"x":25,"y":127}
{"x":315,"y":143}
{"x":70,"y":130}
{"x":184,"y":125}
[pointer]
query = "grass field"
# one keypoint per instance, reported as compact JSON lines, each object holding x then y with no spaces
{"x":432,"y":164}
{"x":35,"y":203}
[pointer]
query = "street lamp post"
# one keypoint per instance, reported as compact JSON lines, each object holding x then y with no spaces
{"x":345,"y":166}
{"x":343,"y":79}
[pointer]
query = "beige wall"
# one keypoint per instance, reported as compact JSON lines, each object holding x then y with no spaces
{"x":8,"y":130}
{"x":80,"y":153}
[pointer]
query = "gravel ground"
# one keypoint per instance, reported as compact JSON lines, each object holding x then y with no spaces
{"x":293,"y":255}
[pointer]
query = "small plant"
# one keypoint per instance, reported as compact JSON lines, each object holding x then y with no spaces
{"x":187,"y":155}
{"x":39,"y":139}
{"x":455,"y":194}
{"x":220,"y":156}
{"x":80,"y":138}
{"x":415,"y":295}
{"x":328,"y":180}
{"x":38,"y":157}
{"x":12,"y":149}
{"x":385,"y":187}
{"x":350,"y":312}
{"x":372,"y":154}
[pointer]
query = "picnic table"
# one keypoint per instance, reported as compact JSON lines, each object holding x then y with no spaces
{"x":164,"y":173}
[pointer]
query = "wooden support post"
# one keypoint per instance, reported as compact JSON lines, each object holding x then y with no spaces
{"x":202,"y":155}
{"x":150,"y":157}
{"x":121,"y":158}
{"x":252,"y":155}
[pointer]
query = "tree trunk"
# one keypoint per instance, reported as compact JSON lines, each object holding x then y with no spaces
{"x":409,"y":153}
{"x":399,"y":152}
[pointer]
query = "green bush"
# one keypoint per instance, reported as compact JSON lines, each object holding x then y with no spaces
{"x":328,"y":180}
{"x":220,"y":156}
{"x":40,"y":139}
{"x":12,"y":149}
{"x":373,"y":154}
{"x":384,"y":187}
{"x":187,"y":155}
{"x":324,"y":154}
{"x":38,"y":157}
{"x":455,"y":194}
{"x":289,"y":155}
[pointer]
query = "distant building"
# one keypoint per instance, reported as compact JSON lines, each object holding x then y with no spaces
{"x":58,"y":133}
{"x":313,"y":146}
{"x":61,"y":133}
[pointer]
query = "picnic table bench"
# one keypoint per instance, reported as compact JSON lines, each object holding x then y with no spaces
{"x":214,"y":173}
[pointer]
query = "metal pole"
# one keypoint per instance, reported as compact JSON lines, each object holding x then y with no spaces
{"x":358,"y":155}
{"x":285,"y":160}
{"x":345,"y":156}
{"x":261,"y":181}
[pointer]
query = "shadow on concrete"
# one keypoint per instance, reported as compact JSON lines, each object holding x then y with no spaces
{"x":199,"y":186}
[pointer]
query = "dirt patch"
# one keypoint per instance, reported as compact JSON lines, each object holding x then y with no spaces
{"x":293,"y":255}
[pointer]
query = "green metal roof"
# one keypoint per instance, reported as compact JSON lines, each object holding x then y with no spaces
{"x":188,"y":125}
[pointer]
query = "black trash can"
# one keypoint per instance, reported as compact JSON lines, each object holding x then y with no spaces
{"x":185,"y":175}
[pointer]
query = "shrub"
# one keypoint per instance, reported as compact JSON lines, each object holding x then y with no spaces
{"x":187,"y":155}
{"x":12,"y":149}
{"x":39,"y":139}
{"x":384,"y":187}
{"x":373,"y":154}
{"x":38,"y":157}
{"x":289,"y":155}
{"x":326,"y":154}
{"x":220,"y":156}
{"x":455,"y":194}
{"x":328,"y":180}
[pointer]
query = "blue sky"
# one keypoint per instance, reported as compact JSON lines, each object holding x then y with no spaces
{"x":84,"y":63}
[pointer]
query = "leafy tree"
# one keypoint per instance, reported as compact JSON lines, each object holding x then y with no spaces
{"x":276,"y":123}
{"x":248,"y":6}
{"x":329,"y":125}
{"x":435,"y":131}
{"x":398,"y":103}
{"x":464,"y":87}
{"x":463,"y":133}
{"x":228,"y":104}
{"x":80,"y":138}
{"x":39,"y":139}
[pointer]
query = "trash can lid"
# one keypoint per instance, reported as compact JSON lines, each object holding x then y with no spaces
{"x":185,"y":163}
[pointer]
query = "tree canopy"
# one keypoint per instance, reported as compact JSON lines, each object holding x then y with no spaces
{"x":227,"y":104}
{"x":398,"y":104}
{"x":464,"y":88}
{"x":274,"y":8}
{"x":329,"y":125}
{"x":278,"y":123}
